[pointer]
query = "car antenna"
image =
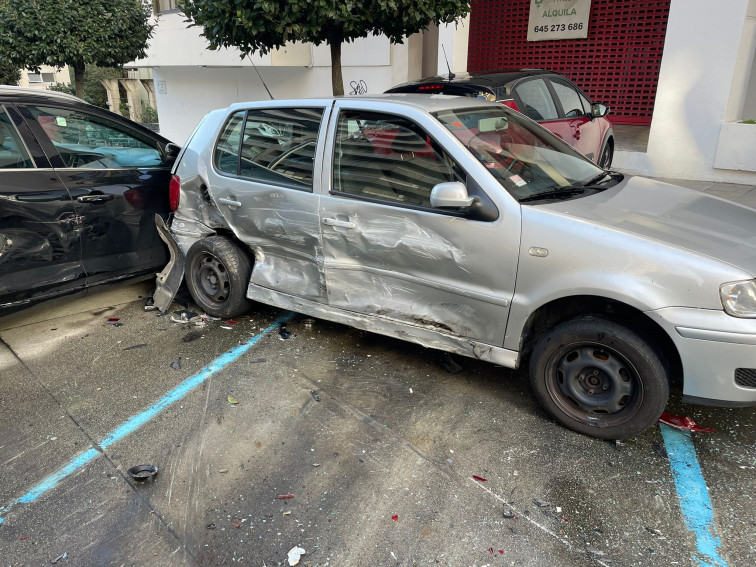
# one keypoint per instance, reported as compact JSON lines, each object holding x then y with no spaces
{"x":261,"y":79}
{"x":451,"y":75}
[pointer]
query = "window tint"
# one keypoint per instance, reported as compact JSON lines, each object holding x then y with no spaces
{"x":227,"y":148}
{"x":569,"y":99}
{"x":536,"y":100}
{"x":88,"y":141}
{"x":278,"y":145}
{"x":12,"y":152}
{"x":379,"y":156}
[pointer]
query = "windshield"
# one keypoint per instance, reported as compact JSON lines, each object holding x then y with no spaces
{"x":526,"y":159}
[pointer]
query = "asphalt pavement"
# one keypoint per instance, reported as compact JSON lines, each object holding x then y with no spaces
{"x":277,"y":431}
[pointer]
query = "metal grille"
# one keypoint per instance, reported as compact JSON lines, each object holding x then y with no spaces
{"x":745,"y":377}
{"x":617,"y":64}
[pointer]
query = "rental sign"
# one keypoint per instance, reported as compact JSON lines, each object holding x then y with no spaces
{"x":558,"y":19}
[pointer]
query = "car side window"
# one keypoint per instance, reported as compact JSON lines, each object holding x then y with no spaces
{"x":13,"y":154}
{"x":227,"y":149}
{"x":572,"y":105}
{"x":388,"y":158}
{"x":536,"y":100}
{"x":278,"y":145}
{"x":88,"y":141}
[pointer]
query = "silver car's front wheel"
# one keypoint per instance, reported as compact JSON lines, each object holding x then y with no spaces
{"x":599,"y":378}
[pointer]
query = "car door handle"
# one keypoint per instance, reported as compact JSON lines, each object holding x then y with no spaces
{"x":95,"y":198}
{"x":230,"y":202}
{"x":340,"y":223}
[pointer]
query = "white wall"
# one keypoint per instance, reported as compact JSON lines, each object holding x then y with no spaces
{"x":696,"y":78}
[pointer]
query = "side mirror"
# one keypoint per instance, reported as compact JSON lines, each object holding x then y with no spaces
{"x":450,"y":194}
{"x":171,"y":151}
{"x":599,"y":110}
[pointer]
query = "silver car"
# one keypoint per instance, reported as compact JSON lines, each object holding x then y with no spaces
{"x":464,"y":226}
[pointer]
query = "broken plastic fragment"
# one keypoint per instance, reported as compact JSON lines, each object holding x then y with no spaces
{"x":284,"y":333}
{"x":654,"y":531}
{"x":594,"y":552}
{"x":509,"y":515}
{"x":315,"y":395}
{"x":285,"y":496}
{"x":189,"y":337}
{"x":176,"y":364}
{"x":448,"y":363}
{"x":236,"y":524}
{"x":232,"y":400}
{"x":660,"y":450}
{"x":479,"y":478}
{"x":394,"y":518}
{"x":683,"y":423}
{"x":59,"y":557}
{"x":541,"y":503}
{"x":231,"y":322}
{"x":295,"y":554}
{"x":113,"y":319}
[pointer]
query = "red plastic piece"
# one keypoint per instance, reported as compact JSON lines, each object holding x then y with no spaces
{"x":490,"y":550}
{"x":395,"y":517}
{"x":231,"y":322}
{"x":24,"y":537}
{"x":285,"y":496}
{"x":479,"y":478}
{"x":501,"y":552}
{"x":683,"y":423}
{"x":113,"y":319}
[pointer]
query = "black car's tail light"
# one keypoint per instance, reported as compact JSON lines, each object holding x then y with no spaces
{"x":174,"y":190}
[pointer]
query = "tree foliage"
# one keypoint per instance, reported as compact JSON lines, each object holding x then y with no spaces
{"x":78,"y":33}
{"x":263,"y":25}
{"x":10,"y":73}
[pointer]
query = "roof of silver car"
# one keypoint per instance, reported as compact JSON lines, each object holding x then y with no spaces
{"x":428,"y":102}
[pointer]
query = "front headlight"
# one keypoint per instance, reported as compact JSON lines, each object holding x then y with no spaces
{"x":739,"y":298}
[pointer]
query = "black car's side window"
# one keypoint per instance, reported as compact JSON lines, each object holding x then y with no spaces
{"x":87,"y":141}
{"x":388,"y":158}
{"x":277,"y":145}
{"x":13,"y":154}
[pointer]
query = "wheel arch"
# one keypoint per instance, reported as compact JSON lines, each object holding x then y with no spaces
{"x":563,"y":309}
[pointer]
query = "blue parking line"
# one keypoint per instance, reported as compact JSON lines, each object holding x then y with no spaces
{"x":135,"y":422}
{"x":693,"y":496}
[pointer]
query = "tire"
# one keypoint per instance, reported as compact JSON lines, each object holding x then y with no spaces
{"x":217,"y":274}
{"x":607,"y":155}
{"x":599,"y":378}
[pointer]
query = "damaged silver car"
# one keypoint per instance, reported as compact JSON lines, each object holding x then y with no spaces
{"x":466,"y":227}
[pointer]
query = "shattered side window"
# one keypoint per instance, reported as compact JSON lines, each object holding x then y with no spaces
{"x":227,"y":149}
{"x":278,"y":146}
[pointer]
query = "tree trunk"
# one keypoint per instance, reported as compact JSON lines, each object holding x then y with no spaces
{"x":79,"y":78}
{"x":337,"y":80}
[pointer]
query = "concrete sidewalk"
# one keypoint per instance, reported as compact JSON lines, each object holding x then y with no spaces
{"x":743,"y":194}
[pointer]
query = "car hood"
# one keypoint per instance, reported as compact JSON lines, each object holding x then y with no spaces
{"x":674,"y":215}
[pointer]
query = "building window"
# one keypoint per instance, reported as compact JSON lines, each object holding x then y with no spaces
{"x":164,"y":5}
{"x":41,"y":78}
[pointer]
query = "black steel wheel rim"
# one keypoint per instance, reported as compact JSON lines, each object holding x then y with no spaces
{"x":211,"y":278}
{"x":594,"y":384}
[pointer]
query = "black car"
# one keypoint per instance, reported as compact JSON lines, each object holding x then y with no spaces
{"x":549,"y":98}
{"x":79,"y":190}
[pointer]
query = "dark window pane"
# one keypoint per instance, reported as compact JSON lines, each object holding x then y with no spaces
{"x":13,"y":154}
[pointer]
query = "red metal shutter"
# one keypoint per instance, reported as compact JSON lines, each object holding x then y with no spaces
{"x":617,"y":64}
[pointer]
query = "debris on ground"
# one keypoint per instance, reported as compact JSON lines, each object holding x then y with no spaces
{"x":542,"y":503}
{"x":315,"y":395}
{"x":134,"y":347}
{"x":232,"y":400}
{"x":210,"y":526}
{"x":295,"y":554}
{"x":448,"y":363}
{"x":660,"y":450}
{"x":479,"y":478}
{"x":593,"y":552}
{"x":193,"y":336}
{"x":618,"y":445}
{"x":63,"y":555}
{"x":509,"y":515}
{"x":149,"y":305}
{"x":255,"y":361}
{"x":140,"y":473}
{"x":654,"y":531}
{"x":395,"y":518}
{"x":283,"y":333}
{"x":115,"y":321}
{"x":285,"y":496}
{"x":683,"y":423}
{"x":176,"y":364}
{"x":231,"y":322}
{"x":308,"y":323}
